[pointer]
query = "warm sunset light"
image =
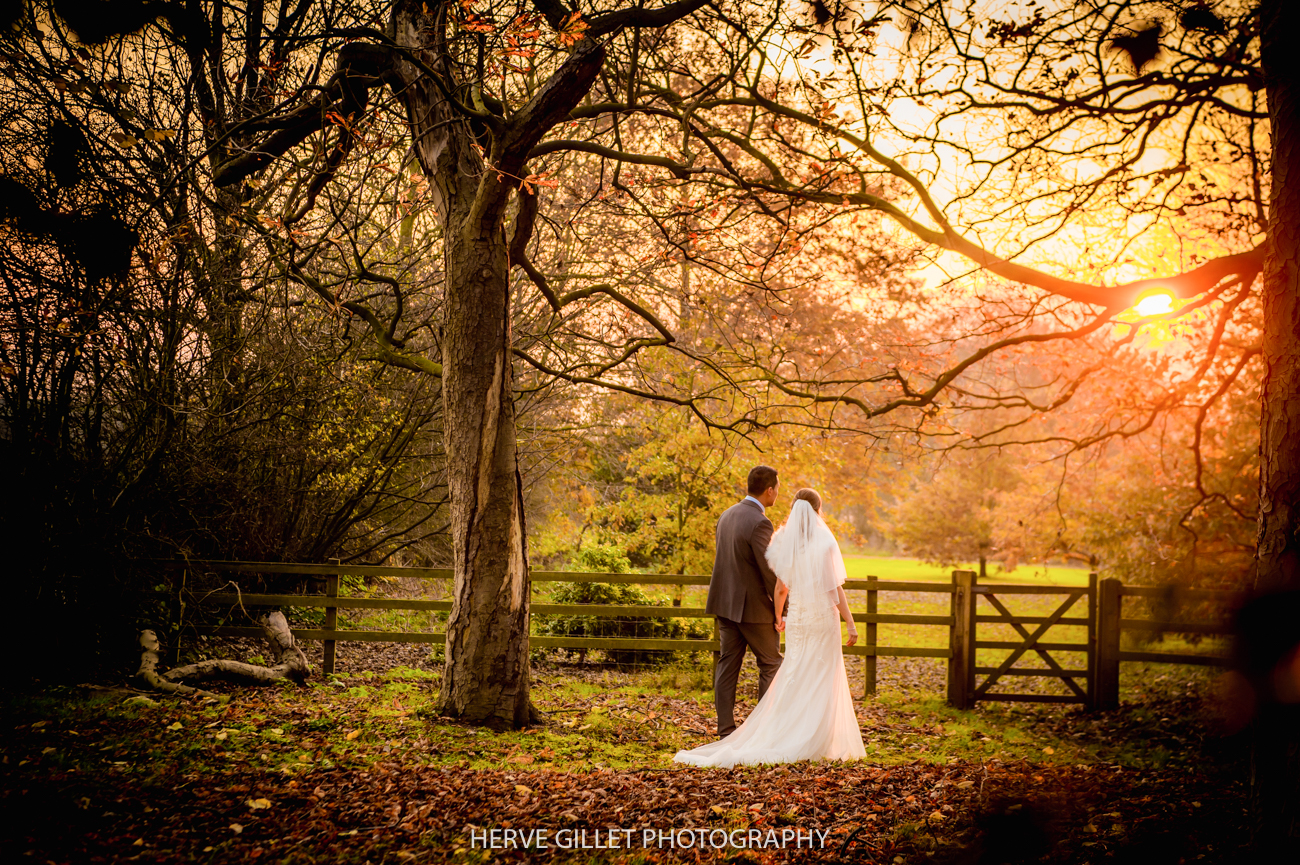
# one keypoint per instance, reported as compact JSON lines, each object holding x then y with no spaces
{"x":1155,"y":304}
{"x":1160,"y":332}
{"x":649,"y":430}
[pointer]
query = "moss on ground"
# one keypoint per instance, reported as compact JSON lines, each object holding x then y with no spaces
{"x":615,"y":720}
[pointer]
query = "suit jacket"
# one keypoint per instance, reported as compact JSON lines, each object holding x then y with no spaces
{"x":742,"y":584}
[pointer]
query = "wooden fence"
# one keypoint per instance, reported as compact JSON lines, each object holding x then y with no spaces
{"x":1098,"y":607}
{"x":1111,"y":622}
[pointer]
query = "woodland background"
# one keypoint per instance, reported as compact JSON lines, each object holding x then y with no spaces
{"x":192,"y":368}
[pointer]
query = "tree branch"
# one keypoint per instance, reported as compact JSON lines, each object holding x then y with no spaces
{"x":388,"y":351}
{"x":360,"y":68}
{"x":638,"y":16}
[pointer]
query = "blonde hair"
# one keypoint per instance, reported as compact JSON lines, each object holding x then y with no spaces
{"x":810,"y":496}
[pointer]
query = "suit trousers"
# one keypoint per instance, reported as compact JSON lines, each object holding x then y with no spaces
{"x":764,"y":641}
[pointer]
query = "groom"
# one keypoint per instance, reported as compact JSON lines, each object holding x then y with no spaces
{"x":740,"y":594}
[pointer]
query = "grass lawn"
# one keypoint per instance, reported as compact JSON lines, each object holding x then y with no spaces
{"x":595,"y":719}
{"x":890,"y":568}
{"x":936,"y":636}
{"x":898,"y":602}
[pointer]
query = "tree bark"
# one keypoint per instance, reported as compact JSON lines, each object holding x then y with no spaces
{"x":474,"y":154}
{"x":149,"y":658}
{"x":486,"y":673}
{"x":485,"y":679}
{"x":1275,"y":761}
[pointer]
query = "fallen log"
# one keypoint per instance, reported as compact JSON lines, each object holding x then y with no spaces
{"x":291,"y":664}
{"x":149,"y":669}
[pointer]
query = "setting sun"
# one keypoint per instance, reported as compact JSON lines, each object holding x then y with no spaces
{"x":1155,"y":304}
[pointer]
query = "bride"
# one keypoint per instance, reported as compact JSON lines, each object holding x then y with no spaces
{"x":807,"y":712}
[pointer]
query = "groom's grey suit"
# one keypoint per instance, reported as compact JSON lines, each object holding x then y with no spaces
{"x":740,"y":595}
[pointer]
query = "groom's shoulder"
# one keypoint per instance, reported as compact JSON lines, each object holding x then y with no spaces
{"x":740,"y":508}
{"x":741,"y":513}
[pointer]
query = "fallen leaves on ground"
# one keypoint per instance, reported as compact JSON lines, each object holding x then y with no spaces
{"x":867,"y":813}
{"x":359,"y":767}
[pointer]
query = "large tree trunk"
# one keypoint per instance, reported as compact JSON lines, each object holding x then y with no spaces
{"x":485,"y":679}
{"x":486,"y":674}
{"x":1275,"y":771}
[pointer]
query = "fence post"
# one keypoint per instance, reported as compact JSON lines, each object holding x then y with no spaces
{"x":869,"y":639}
{"x":961,"y":641}
{"x":716,"y":652}
{"x":331,"y":623}
{"x":176,"y":614}
{"x":971,"y":603}
{"x":1109,"y":604}
{"x":1091,"y":656}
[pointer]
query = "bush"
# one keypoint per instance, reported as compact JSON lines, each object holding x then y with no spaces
{"x":607,"y":559}
{"x":602,"y":559}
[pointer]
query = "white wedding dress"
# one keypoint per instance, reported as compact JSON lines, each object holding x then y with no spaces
{"x":807,"y":712}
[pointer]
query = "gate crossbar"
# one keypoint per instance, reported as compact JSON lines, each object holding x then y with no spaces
{"x":1030,"y":641}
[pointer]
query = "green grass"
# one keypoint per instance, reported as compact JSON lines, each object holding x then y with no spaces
{"x":690,"y":677}
{"x":265,"y":746}
{"x":356,"y":720}
{"x":917,"y":603}
{"x":609,"y":719}
{"x":936,"y":636}
{"x":861,"y":567}
{"x":858,"y":567}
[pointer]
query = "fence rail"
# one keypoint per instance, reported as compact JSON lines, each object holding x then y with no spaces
{"x":1102,"y":604}
{"x":1112,"y":622}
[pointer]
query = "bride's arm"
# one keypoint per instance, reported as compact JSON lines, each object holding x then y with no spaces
{"x":842,"y":604}
{"x":782,"y":592}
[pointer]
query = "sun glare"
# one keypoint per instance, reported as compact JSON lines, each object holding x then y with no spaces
{"x":1155,"y":304}
{"x":1155,"y":332}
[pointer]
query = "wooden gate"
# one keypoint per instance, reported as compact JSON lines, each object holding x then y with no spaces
{"x":974,"y":605}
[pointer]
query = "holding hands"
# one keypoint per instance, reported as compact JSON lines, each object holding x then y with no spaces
{"x":778,"y":603}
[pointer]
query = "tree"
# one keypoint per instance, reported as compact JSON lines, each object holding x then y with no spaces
{"x":162,"y":390}
{"x":1152,"y":513}
{"x":480,"y":94}
{"x":954,"y":517}
{"x":654,"y":484}
{"x":1135,"y":129}
{"x":1181,"y":123}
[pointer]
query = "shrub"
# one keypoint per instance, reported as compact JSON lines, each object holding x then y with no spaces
{"x":602,"y":559}
{"x":608,"y":559}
